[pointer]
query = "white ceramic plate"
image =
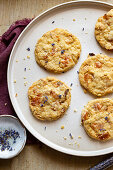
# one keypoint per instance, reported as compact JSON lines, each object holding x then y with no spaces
{"x":85,"y":14}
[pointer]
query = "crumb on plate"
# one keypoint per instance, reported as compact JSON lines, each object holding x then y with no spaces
{"x":71,"y":136}
{"x":64,"y":138}
{"x":62,"y":127}
{"x":14,"y":81}
{"x":25,"y":83}
{"x":28,"y":57}
{"x":79,"y":137}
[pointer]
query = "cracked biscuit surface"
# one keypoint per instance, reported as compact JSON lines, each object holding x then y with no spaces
{"x":97,"y":119}
{"x":96,"y":74}
{"x":49,"y":98}
{"x":104,"y":30}
{"x":57,"y":50}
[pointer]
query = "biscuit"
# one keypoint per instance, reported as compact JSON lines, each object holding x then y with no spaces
{"x":96,"y":74}
{"x":97,"y":119}
{"x":49,"y":98}
{"x":104,"y":30}
{"x":57,"y":50}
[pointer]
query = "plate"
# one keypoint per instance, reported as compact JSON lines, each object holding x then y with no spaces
{"x":25,"y":71}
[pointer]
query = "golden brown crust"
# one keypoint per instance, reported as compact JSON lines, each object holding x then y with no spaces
{"x":96,"y":74}
{"x":49,"y":98}
{"x":97,"y":119}
{"x":104,"y":30}
{"x":57,"y":50}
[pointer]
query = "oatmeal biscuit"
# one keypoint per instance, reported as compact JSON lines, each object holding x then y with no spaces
{"x":104,"y":30}
{"x":97,"y":119}
{"x":49,"y":98}
{"x":57,"y":50}
{"x":96,"y":74}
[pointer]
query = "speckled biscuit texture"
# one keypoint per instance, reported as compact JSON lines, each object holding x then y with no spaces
{"x":57,"y":50}
{"x":97,"y":119}
{"x":96,"y":74}
{"x":104,"y":30}
{"x":49,"y":98}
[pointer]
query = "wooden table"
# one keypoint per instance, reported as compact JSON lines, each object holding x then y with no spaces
{"x":34,"y":157}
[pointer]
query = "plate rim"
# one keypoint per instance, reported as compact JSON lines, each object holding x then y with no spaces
{"x":23,"y":120}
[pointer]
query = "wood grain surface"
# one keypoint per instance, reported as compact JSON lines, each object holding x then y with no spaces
{"x":39,"y":157}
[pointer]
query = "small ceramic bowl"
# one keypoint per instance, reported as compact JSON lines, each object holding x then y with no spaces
{"x":8,"y":122}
